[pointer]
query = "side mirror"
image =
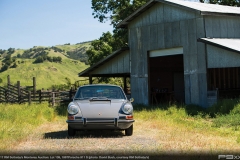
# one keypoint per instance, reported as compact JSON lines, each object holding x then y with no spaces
{"x":131,"y":99}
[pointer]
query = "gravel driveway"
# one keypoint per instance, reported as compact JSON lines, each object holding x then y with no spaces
{"x":148,"y":140}
{"x":52,"y":138}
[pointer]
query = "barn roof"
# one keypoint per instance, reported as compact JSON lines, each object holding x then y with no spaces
{"x":88,"y":71}
{"x":225,"y":43}
{"x":203,"y":8}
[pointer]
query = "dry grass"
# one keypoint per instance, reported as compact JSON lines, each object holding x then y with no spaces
{"x":156,"y":132}
{"x":149,"y":138}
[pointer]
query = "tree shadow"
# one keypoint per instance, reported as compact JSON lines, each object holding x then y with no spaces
{"x":85,"y":134}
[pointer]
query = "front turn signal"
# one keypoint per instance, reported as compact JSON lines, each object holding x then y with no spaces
{"x":129,"y":117}
{"x":70,"y":117}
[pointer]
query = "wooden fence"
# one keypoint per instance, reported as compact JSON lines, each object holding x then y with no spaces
{"x":17,"y":94}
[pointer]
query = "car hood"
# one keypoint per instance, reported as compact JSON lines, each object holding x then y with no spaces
{"x":100,"y":108}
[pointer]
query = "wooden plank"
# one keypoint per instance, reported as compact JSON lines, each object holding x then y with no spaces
{"x":153,"y":15}
{"x":120,"y":63}
{"x":160,"y":15}
{"x":223,"y":27}
{"x":209,"y":78}
{"x":145,"y":18}
{"x":216,"y":30}
{"x":231,"y":30}
{"x":134,"y":40}
{"x":160,"y":35}
{"x":168,"y":35}
{"x":127,"y":62}
{"x":176,"y":39}
{"x":208,"y":26}
{"x":219,"y":79}
{"x":229,"y":78}
{"x":233,"y":80}
{"x":237,"y":79}
{"x":143,"y":71}
{"x":192,"y":37}
{"x":153,"y":37}
{"x":224,"y":79}
{"x":214,"y":78}
{"x":167,"y":12}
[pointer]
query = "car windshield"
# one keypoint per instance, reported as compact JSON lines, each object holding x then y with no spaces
{"x":109,"y":92}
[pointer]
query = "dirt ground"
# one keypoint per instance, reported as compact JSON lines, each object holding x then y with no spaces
{"x":149,"y":140}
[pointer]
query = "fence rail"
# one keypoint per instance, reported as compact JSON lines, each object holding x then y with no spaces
{"x":15,"y":94}
{"x":18,"y":94}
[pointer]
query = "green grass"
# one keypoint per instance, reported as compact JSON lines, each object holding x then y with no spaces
{"x":18,"y":121}
{"x":222,"y":118}
{"x":73,"y":46}
{"x":47,"y":73}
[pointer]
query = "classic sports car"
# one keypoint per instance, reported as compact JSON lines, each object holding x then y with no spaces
{"x":100,"y":107}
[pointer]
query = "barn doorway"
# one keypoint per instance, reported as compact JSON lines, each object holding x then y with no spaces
{"x":166,"y":76}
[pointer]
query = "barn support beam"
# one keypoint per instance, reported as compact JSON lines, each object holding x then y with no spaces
{"x":90,"y":79}
{"x":125,"y":83}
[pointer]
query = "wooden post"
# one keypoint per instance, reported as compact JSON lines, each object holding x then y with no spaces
{"x":8,"y":81}
{"x":40,"y":96}
{"x":70,"y":94}
{"x":19,"y":91}
{"x":53,"y":99}
{"x":125,"y":84}
{"x":34,"y":87}
{"x":6,"y":95}
{"x":29,"y":98}
{"x":90,"y":79}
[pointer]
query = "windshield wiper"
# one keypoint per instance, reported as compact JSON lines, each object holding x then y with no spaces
{"x":99,"y":99}
{"x":80,"y":98}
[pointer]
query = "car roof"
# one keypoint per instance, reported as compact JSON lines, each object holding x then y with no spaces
{"x":89,"y":85}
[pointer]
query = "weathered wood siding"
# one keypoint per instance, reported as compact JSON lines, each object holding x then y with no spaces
{"x":222,"y":27}
{"x":165,"y":26}
{"x":221,"y":58}
{"x":119,"y":64}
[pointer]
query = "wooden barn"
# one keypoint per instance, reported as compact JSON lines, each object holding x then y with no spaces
{"x":178,"y":50}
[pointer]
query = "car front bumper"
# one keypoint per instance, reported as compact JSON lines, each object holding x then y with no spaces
{"x":85,"y":123}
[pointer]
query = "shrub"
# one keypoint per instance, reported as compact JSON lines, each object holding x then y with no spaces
{"x":222,"y":107}
{"x":194,"y":110}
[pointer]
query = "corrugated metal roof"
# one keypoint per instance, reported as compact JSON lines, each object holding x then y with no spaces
{"x":87,"y":71}
{"x":225,"y":43}
{"x":203,"y":8}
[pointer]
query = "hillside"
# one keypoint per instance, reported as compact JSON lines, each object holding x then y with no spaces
{"x":23,"y":66}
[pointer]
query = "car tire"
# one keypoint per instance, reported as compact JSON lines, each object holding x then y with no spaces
{"x":71,"y":132}
{"x":129,"y":131}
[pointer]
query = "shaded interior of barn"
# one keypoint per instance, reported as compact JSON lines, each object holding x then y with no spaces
{"x":225,"y":80}
{"x":166,"y":79}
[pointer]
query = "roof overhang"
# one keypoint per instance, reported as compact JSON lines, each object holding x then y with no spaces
{"x":224,"y":43}
{"x":87,"y":72}
{"x":202,"y":8}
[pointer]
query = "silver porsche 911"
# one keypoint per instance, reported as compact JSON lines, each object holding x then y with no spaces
{"x":100,"y":107}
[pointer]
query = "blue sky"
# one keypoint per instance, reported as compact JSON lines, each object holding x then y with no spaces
{"x":28,"y":23}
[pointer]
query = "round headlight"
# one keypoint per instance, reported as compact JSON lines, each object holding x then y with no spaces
{"x":127,"y":108}
{"x":72,"y":109}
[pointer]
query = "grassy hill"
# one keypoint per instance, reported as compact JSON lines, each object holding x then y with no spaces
{"x":46,"y":73}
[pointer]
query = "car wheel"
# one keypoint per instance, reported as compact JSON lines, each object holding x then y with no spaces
{"x":129,"y":131}
{"x":71,"y":131}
